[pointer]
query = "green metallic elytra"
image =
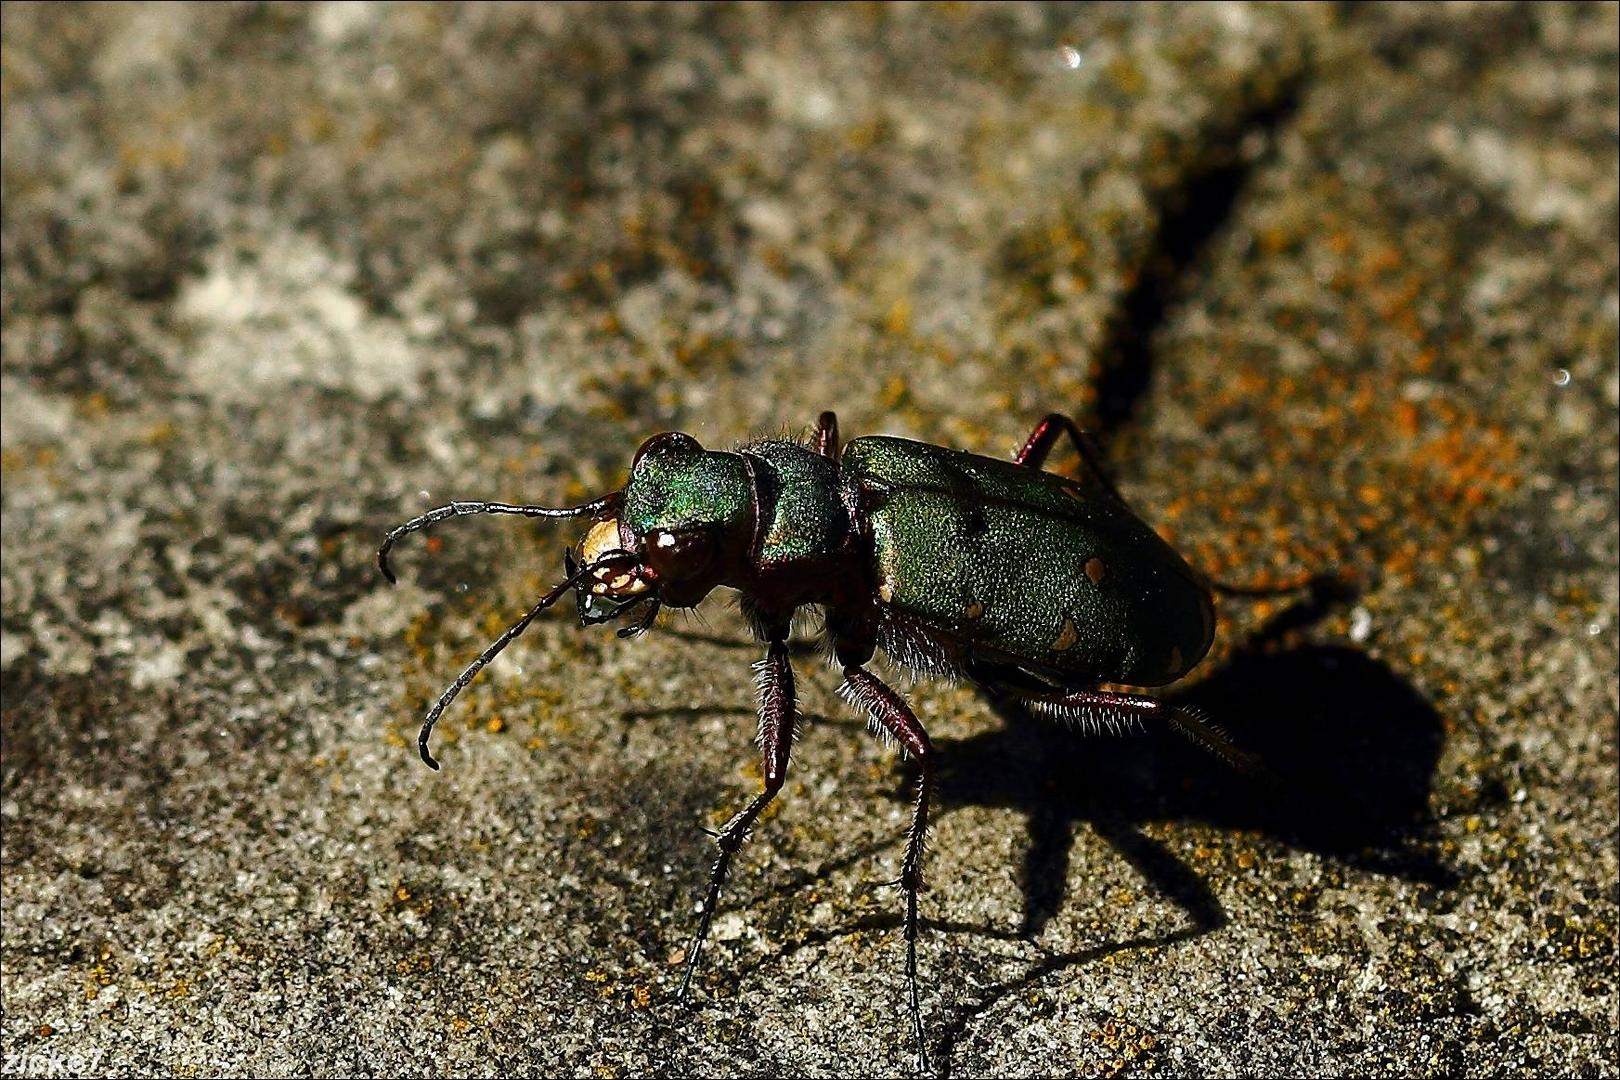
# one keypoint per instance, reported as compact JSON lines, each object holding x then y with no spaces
{"x":1015,"y":565}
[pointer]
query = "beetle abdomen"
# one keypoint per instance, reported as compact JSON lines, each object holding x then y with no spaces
{"x":975,"y":557}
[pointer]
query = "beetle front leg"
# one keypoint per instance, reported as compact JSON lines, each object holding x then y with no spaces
{"x":889,"y":710}
{"x":778,"y":716}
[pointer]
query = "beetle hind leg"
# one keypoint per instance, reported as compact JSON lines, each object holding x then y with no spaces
{"x":890,"y":712}
{"x":1098,"y":709}
{"x":778,"y":718}
{"x":1046,"y":434}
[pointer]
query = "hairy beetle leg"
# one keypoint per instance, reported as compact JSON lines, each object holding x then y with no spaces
{"x":778,"y":716}
{"x":1105,"y":708}
{"x":890,"y":711}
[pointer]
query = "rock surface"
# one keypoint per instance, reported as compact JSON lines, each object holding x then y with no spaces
{"x":1337,"y":289}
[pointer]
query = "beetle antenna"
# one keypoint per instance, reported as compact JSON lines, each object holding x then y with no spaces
{"x":464,"y":509}
{"x":494,"y":650}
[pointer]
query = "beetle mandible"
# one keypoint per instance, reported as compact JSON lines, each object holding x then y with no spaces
{"x":1025,"y":582}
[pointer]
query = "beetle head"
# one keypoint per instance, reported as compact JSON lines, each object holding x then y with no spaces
{"x":688,"y":517}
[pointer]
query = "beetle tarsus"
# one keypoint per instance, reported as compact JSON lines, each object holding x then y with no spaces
{"x":1193,"y":725}
{"x":778,"y":716}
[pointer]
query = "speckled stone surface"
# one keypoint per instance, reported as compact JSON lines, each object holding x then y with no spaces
{"x":1337,"y":289}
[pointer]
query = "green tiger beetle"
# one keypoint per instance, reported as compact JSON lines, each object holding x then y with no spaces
{"x":1030,"y":584}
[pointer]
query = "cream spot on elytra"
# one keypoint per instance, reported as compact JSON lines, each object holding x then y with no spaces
{"x":1066,"y":636}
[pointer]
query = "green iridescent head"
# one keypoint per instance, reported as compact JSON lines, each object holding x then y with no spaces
{"x":677,"y":485}
{"x":688,"y":513}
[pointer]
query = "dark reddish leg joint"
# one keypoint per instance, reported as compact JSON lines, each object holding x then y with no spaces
{"x":1046,"y":434}
{"x":827,"y":436}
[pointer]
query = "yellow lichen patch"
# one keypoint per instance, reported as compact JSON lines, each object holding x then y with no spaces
{"x":16,"y":457}
{"x":1125,"y":1044}
{"x":98,"y":977}
{"x":93,"y":405}
{"x":898,"y":320}
{"x":160,"y":434}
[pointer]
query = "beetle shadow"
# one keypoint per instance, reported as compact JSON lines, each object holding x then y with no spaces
{"x":1353,"y":747}
{"x":799,"y":647}
{"x":1353,"y":744}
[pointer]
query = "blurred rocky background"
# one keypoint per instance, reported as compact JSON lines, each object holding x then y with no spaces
{"x":1335,"y":285}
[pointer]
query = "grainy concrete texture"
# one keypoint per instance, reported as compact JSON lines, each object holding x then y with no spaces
{"x":1335,"y":286}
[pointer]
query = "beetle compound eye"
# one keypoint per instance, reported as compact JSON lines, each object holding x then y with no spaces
{"x":668,"y":441}
{"x":678,"y":555}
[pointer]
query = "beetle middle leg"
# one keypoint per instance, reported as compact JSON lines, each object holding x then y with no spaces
{"x":890,"y":711}
{"x":778,"y":716}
